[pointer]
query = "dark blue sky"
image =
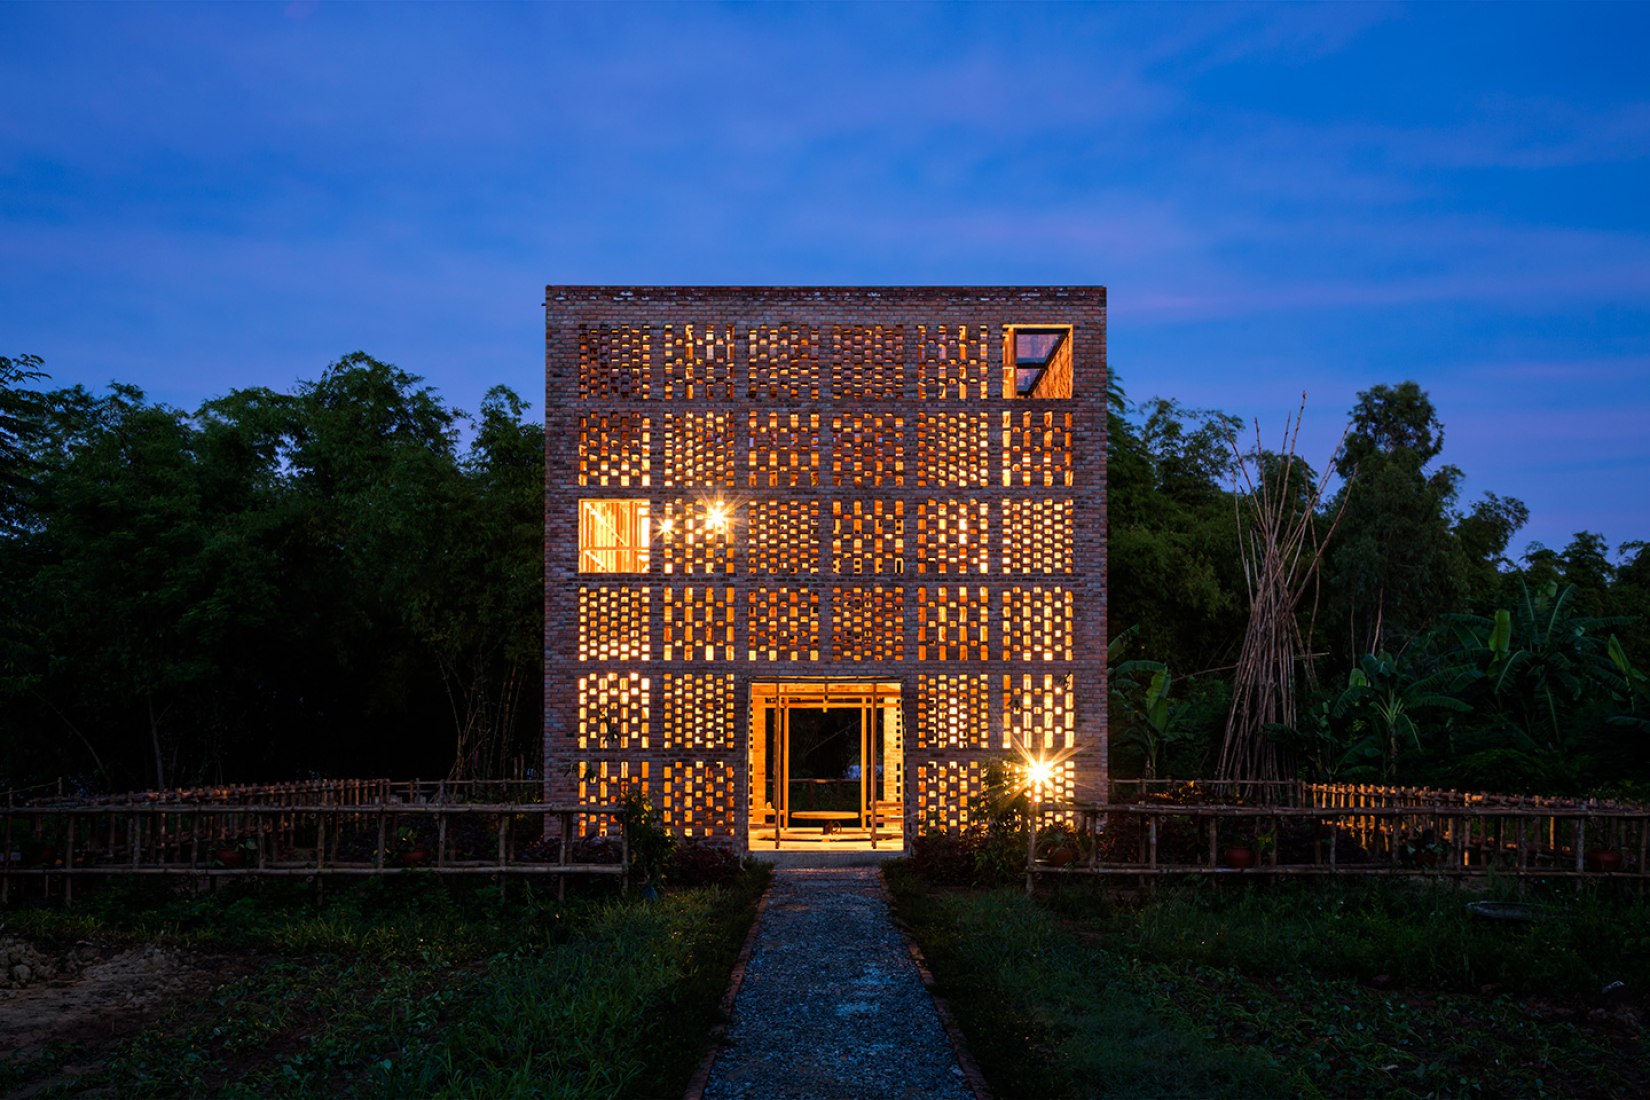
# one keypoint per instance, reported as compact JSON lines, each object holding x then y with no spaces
{"x":194,"y":198}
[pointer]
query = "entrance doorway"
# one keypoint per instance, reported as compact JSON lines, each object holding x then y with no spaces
{"x":827,"y":764}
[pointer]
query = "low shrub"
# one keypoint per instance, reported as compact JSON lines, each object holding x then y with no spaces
{"x":983,"y":854}
{"x":696,"y":864}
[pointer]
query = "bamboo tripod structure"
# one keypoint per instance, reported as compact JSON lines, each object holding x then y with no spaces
{"x":1277,"y":538}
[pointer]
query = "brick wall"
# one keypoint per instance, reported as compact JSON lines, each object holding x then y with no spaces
{"x":889,"y":514}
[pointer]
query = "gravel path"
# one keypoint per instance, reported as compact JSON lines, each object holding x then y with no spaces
{"x":831,"y":1005}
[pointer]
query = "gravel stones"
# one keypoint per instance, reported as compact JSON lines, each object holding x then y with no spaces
{"x":831,"y":1004}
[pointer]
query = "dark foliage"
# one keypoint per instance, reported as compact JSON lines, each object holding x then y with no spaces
{"x":696,"y":864}
{"x":274,"y":586}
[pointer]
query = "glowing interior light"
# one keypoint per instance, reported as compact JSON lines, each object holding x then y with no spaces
{"x":1040,"y":771}
{"x":666,"y":526}
{"x":717,"y":518}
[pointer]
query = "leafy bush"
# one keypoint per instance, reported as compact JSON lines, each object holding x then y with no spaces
{"x":696,"y":864}
{"x":983,"y":854}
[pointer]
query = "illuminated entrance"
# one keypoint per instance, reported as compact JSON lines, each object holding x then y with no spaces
{"x":827,"y":764}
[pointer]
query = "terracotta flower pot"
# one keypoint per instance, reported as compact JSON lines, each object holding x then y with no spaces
{"x":1059,"y":857}
{"x":230,"y":858}
{"x":415,"y":857}
{"x":47,"y":857}
{"x":1604,"y":859}
{"x":1239,"y":856}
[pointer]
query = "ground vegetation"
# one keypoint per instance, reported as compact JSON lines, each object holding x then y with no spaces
{"x":1370,"y":988}
{"x":407,"y":986}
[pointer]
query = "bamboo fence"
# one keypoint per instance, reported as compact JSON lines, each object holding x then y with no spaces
{"x":325,"y":828}
{"x":1349,"y":829}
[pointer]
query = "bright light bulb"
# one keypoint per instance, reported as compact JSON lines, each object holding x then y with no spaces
{"x":1040,"y":771}
{"x":717,"y":518}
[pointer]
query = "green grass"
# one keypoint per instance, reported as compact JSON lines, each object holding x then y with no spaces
{"x":1048,"y":1014}
{"x":410,"y":987}
{"x":1317,"y":989}
{"x":1414,"y":933}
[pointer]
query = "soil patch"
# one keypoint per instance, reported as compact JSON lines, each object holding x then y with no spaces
{"x":89,"y":999}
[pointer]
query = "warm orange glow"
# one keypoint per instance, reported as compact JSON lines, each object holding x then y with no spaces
{"x":1039,"y":772}
{"x":717,"y":518}
{"x":613,"y":536}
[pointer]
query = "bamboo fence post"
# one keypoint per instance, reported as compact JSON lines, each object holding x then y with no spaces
{"x":561,"y":858}
{"x":68,"y":863}
{"x":378,"y":856}
{"x":1031,"y":842}
{"x":440,"y":838}
{"x":5,"y":877}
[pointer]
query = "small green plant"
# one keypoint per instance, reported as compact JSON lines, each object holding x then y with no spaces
{"x":1422,"y":850}
{"x":652,"y":846}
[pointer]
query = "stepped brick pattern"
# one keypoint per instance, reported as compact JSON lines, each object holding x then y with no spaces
{"x":809,"y":483}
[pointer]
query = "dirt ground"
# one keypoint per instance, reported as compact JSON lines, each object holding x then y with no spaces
{"x":90,"y":998}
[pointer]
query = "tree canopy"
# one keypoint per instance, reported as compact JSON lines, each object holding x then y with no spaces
{"x":273,"y":585}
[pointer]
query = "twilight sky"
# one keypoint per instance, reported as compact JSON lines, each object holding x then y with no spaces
{"x":199,"y":197}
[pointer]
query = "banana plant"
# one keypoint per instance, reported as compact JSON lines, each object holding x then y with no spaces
{"x":1143,"y":703}
{"x":1539,"y":661}
{"x":1631,"y":689}
{"x":1386,"y":699}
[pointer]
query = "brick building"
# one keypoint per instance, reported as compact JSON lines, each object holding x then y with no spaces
{"x":816,"y":556}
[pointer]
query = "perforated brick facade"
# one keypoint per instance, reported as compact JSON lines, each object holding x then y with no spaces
{"x":838,"y":482}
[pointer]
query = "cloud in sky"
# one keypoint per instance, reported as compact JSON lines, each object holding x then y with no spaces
{"x":1280,"y":197}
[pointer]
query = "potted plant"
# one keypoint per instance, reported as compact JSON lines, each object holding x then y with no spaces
{"x":235,"y":855}
{"x":1604,"y":859}
{"x":1243,"y":854}
{"x":410,"y":851}
{"x":1424,"y":850}
{"x":1058,"y":844}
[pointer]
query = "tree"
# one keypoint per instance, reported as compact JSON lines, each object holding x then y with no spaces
{"x":21,"y":412}
{"x":482,"y":614}
{"x":279,"y":584}
{"x":1483,"y":535}
{"x":1394,"y":563}
{"x":1170,"y":528}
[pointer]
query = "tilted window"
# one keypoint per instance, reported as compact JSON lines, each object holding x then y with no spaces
{"x":1037,"y":361}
